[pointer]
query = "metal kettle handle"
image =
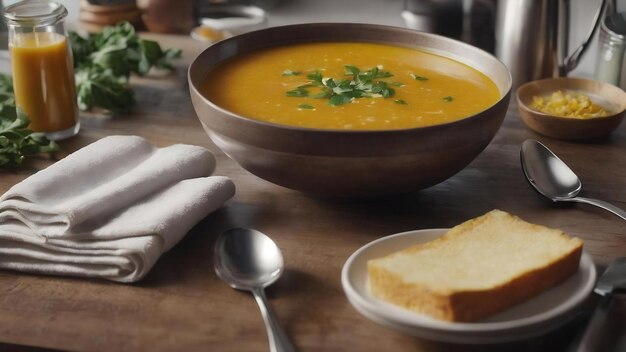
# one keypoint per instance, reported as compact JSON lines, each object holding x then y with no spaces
{"x":572,"y":61}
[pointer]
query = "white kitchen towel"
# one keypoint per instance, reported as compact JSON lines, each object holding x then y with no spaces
{"x":109,"y":210}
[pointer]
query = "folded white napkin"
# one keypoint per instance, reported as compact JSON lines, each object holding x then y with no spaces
{"x":109,"y":210}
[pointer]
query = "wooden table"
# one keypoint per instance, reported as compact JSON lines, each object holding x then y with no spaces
{"x":182,"y":306}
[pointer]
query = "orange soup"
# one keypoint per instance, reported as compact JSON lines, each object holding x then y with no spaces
{"x":354,"y":86}
{"x":43,"y":80}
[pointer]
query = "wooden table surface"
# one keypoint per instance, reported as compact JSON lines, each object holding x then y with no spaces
{"x":183,"y":306}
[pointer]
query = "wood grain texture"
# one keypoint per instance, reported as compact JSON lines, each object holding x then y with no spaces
{"x":182,"y":306}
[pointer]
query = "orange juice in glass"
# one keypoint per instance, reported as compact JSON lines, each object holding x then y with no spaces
{"x":43,"y":74}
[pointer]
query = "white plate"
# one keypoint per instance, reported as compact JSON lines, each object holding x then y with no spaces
{"x":535,"y":317}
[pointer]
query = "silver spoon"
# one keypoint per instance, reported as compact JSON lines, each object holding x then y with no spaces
{"x":248,"y":260}
{"x":551,"y":177}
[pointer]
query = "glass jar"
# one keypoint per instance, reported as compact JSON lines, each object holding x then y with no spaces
{"x":612,"y":42}
{"x":43,"y":72}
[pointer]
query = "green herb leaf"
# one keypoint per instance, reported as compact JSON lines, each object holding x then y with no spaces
{"x":382,"y":88}
{"x":99,"y":87}
{"x":339,"y":99}
{"x":298,"y":92}
{"x":111,"y":57}
{"x":397,"y":84}
{"x":418,"y":78}
{"x":306,"y":107}
{"x":149,"y":54}
{"x":330,"y":83}
{"x":448,"y":99}
{"x":400,"y":101}
{"x":165,"y":61}
{"x":352,"y":70}
{"x":291,"y":73}
{"x":315,"y":78}
{"x":383,"y":74}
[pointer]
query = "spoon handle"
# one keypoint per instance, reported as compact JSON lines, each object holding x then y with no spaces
{"x":279,"y":342}
{"x":604,"y":205}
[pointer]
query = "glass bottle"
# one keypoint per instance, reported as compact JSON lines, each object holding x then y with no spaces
{"x":612,"y":42}
{"x":42,"y":68}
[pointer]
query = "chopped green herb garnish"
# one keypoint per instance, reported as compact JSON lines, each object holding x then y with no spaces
{"x":338,"y":91}
{"x":291,"y":73}
{"x":298,"y":92}
{"x":306,"y":107}
{"x":448,"y":99}
{"x":315,"y":78}
{"x":400,"y":101}
{"x":338,"y":99}
{"x":397,"y":84}
{"x":352,"y":70}
{"x":418,"y":78}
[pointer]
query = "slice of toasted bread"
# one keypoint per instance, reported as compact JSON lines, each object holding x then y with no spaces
{"x":478,"y":268}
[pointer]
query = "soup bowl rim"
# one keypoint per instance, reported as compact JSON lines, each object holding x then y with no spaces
{"x":474,"y":116}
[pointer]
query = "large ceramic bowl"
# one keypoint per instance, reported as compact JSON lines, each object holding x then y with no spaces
{"x":340,"y":163}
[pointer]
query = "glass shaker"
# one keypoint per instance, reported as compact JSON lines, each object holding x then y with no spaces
{"x":43,"y":72}
{"x":612,"y":46}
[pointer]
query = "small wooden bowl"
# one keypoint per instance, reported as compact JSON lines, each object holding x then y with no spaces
{"x":608,"y":96}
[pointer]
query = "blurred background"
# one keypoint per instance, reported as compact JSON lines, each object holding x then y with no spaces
{"x":470,"y":20}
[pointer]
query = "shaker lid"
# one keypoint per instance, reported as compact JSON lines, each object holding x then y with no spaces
{"x":616,"y":23}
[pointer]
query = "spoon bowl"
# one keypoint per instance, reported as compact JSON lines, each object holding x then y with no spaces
{"x":248,"y":260}
{"x":552,"y":178}
{"x":548,"y":174}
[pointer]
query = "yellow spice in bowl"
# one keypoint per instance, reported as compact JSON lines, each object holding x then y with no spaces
{"x":573,"y":105}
